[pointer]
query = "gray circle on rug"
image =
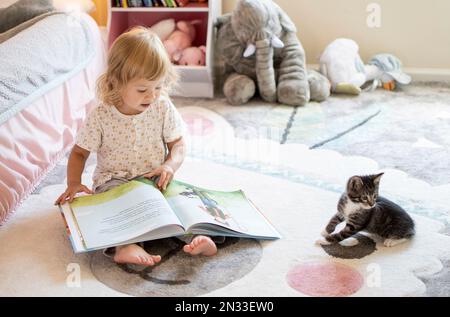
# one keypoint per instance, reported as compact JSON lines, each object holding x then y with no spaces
{"x":364,"y":247}
{"x":179,"y":274}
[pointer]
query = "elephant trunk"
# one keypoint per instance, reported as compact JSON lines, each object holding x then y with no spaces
{"x":265,"y":72}
{"x":293,"y":65}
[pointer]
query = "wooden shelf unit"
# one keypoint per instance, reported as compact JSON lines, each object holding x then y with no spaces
{"x":195,"y":81}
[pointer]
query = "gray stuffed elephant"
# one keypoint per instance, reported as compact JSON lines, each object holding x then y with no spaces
{"x":258,"y":43}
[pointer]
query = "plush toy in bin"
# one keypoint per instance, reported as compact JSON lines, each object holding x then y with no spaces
{"x":259,"y":45}
{"x":164,"y":28}
{"x":176,"y":36}
{"x":181,"y":38}
{"x":341,"y":64}
{"x":191,"y":56}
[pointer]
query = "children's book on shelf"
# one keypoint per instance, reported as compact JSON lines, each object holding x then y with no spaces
{"x":137,"y":211}
{"x":158,"y":3}
{"x":135,"y":3}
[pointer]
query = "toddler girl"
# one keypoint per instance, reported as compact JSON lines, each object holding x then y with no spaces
{"x":134,"y":130}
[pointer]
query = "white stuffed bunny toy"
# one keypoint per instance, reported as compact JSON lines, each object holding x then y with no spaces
{"x":341,"y":64}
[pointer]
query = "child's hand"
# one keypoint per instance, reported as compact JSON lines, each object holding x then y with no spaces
{"x":71,"y":191}
{"x":165,"y":173}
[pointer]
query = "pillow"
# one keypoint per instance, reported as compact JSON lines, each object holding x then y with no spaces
{"x":74,"y":5}
{"x":22,"y":26}
{"x":21,"y":11}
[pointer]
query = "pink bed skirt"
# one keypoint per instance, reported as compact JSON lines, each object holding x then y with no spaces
{"x":33,"y":141}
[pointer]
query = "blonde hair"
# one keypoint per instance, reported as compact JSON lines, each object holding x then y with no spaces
{"x":136,"y":54}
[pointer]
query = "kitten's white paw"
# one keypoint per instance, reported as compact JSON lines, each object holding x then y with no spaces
{"x":349,"y":242}
{"x":324,"y":233}
{"x":393,"y":242}
{"x":322,"y":242}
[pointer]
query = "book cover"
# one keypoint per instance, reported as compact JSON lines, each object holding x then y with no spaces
{"x":135,"y":3}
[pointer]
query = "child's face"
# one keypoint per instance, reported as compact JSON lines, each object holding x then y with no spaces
{"x":138,"y":95}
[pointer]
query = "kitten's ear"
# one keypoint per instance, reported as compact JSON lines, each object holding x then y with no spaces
{"x":354,"y":184}
{"x":376,"y":178}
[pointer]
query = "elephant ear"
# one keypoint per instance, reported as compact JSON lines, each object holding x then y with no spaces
{"x":285,"y":21}
{"x":228,"y":44}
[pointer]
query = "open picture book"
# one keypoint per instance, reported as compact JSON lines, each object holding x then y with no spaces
{"x":137,"y":211}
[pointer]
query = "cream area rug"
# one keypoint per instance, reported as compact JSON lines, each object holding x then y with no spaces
{"x":296,"y":188}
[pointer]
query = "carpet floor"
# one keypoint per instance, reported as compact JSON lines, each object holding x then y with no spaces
{"x":293,"y":163}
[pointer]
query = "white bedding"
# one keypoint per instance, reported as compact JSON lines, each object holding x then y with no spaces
{"x":34,"y":139}
{"x":41,"y":57}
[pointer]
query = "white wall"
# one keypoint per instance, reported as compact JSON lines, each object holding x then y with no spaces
{"x":417,"y":31}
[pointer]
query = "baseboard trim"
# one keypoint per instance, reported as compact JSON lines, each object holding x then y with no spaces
{"x":194,"y":89}
{"x":429,"y":74}
{"x":418,"y":74}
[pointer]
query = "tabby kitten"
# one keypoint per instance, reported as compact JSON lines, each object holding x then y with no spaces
{"x":362,"y":209}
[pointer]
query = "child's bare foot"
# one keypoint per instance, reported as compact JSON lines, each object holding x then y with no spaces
{"x":201,"y":245}
{"x":134,"y":254}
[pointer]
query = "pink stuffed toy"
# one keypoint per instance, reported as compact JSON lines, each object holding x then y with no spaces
{"x":181,"y":38}
{"x":191,"y":56}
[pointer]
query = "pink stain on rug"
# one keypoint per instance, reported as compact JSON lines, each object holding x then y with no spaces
{"x":198,"y":125}
{"x":325,"y":279}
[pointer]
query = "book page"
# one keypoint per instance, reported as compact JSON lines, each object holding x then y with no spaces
{"x":120,"y":214}
{"x":194,"y":205}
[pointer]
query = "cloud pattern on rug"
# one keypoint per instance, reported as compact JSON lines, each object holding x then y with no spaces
{"x":300,"y":165}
